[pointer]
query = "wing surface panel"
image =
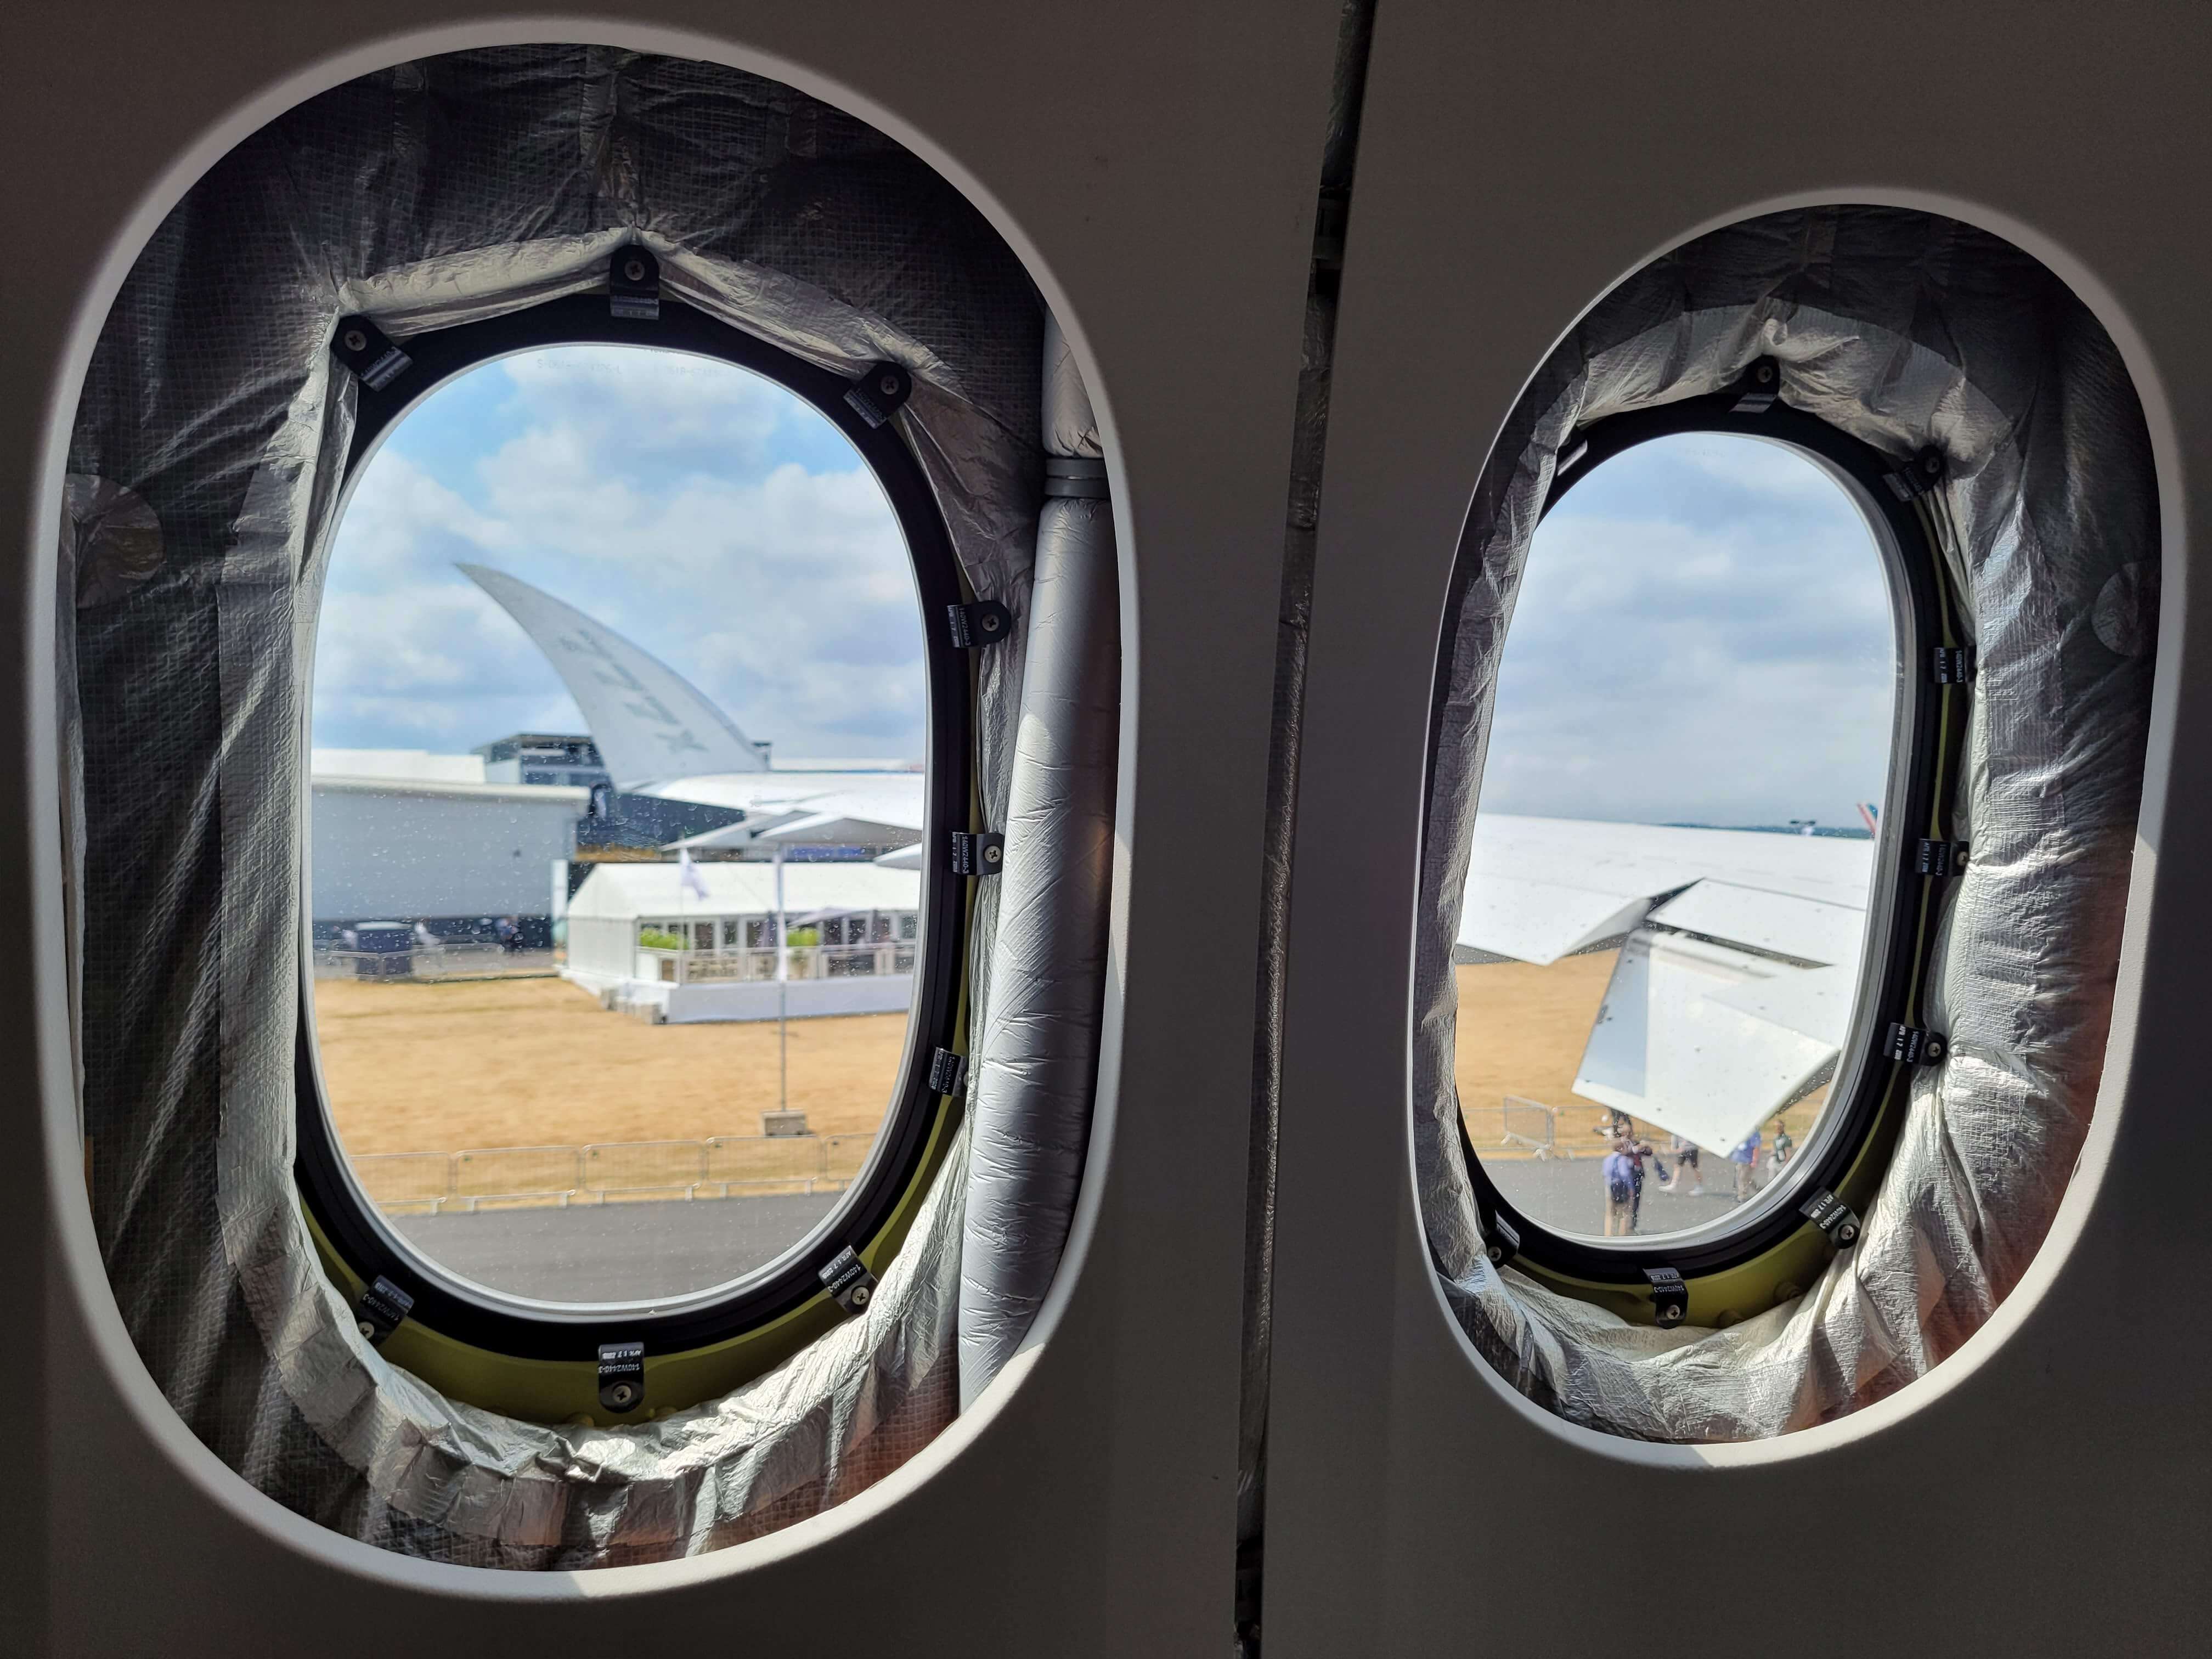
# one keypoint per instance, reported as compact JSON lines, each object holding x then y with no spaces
{"x":1675,"y":1045}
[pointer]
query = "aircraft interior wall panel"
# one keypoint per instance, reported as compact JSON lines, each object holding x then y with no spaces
{"x":1156,"y":166}
{"x":2041,"y":1491}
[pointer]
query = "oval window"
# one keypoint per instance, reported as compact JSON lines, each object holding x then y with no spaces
{"x":627,"y":967}
{"x":1675,"y":954}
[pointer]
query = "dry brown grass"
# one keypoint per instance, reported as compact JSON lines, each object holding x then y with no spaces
{"x":444,"y":1067}
{"x":419,"y":1067}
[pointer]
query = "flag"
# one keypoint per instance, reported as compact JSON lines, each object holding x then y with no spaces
{"x":687,"y":874}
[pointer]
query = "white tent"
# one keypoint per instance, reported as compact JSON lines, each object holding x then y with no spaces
{"x":637,"y":933}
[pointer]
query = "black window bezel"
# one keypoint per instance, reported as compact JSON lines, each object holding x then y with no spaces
{"x":505,"y":1325}
{"x":1930,"y":731}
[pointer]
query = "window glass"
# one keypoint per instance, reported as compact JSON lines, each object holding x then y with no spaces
{"x":608,"y":634}
{"x":1666,"y":909}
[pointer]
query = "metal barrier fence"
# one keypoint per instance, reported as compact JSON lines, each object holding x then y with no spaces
{"x":458,"y":959}
{"x":1528,"y":1125}
{"x":752,"y":963}
{"x":609,"y":1172}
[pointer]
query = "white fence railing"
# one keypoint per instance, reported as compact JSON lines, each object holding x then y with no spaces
{"x":609,"y":1172}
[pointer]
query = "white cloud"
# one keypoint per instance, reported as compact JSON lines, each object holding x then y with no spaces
{"x":662,"y":495}
{"x":1698,"y":639}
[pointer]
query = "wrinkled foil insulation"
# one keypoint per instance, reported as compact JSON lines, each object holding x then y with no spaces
{"x":1905,"y":330}
{"x":1036,"y":1065}
{"x":208,"y":455}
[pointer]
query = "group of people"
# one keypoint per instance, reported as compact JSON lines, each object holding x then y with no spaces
{"x":1623,"y":1169}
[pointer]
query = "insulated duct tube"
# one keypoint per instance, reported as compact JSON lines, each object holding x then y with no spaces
{"x":1037,"y":1062}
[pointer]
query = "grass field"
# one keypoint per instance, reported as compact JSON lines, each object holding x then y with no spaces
{"x":414,"y":1067}
{"x":522,"y":1062}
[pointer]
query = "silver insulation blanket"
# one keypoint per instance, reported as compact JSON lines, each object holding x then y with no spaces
{"x":1037,"y":1066}
{"x":208,"y":452}
{"x":1905,"y":330}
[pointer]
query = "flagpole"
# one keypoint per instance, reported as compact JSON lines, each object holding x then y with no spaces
{"x":782,"y":991}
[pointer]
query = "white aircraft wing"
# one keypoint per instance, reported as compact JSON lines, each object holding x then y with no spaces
{"x":1671,"y":1048}
{"x":864,"y":809}
{"x":1732,"y":995}
{"x":841,"y":829}
{"x":1783,"y":924}
{"x":1540,"y":889}
{"x":881,"y":797}
{"x":648,"y":720}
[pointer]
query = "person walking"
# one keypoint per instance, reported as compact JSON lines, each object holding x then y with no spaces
{"x":1745,"y":1155}
{"x":1620,"y":1174}
{"x":1686,"y":1164}
{"x":1639,"y":1149}
{"x":1785,"y":1150}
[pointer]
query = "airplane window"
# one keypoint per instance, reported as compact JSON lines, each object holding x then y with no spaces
{"x":1660,"y":966}
{"x":620,"y":694}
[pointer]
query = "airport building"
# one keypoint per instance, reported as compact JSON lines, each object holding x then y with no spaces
{"x":404,"y":836}
{"x":544,"y":758}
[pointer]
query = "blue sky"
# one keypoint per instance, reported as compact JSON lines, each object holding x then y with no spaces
{"x":1704,"y":635}
{"x":703,"y":511}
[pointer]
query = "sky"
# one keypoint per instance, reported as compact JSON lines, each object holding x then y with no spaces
{"x":1703,"y":636}
{"x":703,"y":511}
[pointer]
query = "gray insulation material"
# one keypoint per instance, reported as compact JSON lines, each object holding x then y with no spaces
{"x":1905,"y":330}
{"x":209,"y":447}
{"x":1037,"y":1066}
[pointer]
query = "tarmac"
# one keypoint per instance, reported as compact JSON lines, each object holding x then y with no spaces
{"x":617,"y":1252}
{"x":638,"y":1251}
{"x":1569,"y":1193}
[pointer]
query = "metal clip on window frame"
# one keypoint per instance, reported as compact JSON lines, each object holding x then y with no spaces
{"x":947,"y":1072}
{"x":1501,"y":1241}
{"x":972,"y":627}
{"x":1670,"y":1297}
{"x":383,"y":1309}
{"x":634,"y":284}
{"x":1913,"y":1045}
{"x":621,"y":1376}
{"x":1759,"y":388}
{"x":1918,"y":476}
{"x":877,"y":395}
{"x":368,"y":353}
{"x":1832,"y":1217}
{"x":1951,"y":665}
{"x":977,"y":854}
{"x":1939,"y":858}
{"x":849,"y":1283}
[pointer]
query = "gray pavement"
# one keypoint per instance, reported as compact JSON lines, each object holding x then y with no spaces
{"x":616,"y":1252}
{"x":1569,"y":1194}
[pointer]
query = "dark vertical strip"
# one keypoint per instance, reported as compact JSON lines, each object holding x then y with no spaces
{"x":1293,"y":618}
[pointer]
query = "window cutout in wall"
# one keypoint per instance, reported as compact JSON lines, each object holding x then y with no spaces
{"x":620,"y":703}
{"x":1663,"y":964}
